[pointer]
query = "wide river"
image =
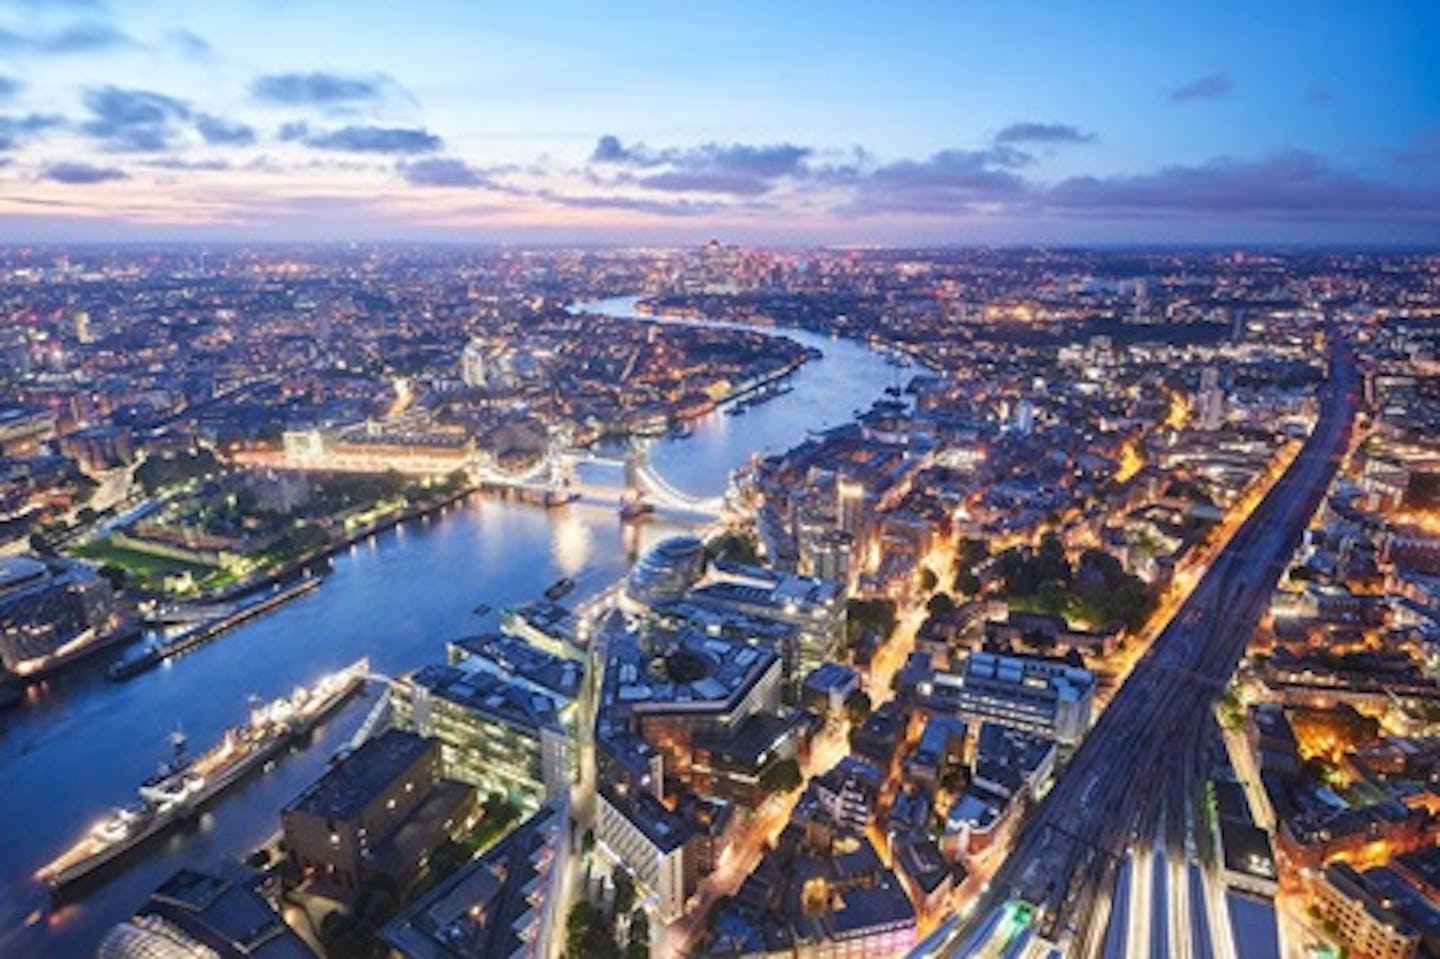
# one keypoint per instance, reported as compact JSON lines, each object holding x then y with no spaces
{"x":82,"y":744}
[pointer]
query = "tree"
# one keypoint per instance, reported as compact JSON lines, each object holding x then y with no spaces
{"x":587,"y":935}
{"x":967,"y":583}
{"x":877,"y":614}
{"x":857,"y":707}
{"x":928,"y":580}
{"x":639,"y":945}
{"x":733,"y":547}
{"x":1052,"y":597}
{"x":624,"y":892}
{"x":1050,"y":561}
{"x":782,"y":777}
{"x":940,"y":605}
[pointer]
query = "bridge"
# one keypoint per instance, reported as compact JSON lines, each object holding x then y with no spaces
{"x":548,"y":474}
{"x":555,"y":475}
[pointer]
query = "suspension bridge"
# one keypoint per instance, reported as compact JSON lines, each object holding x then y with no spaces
{"x":556,"y":476}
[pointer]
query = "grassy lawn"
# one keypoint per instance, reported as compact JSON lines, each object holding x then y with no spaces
{"x":145,"y":566}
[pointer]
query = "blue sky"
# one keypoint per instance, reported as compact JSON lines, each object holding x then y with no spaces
{"x":792,"y":122}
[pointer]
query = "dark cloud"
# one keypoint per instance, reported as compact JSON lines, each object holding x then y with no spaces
{"x":1030,"y":132}
{"x":768,"y":161}
{"x":143,"y":121}
{"x":318,"y":89}
{"x":218,"y":131}
{"x":15,"y":130}
{"x":367,"y":139}
{"x":1212,"y":86}
{"x":81,"y":173}
{"x":609,"y":149}
{"x":442,"y":172}
{"x":90,"y":37}
{"x":737,"y":169}
{"x":1294,"y":184}
{"x":706,"y":181}
{"x":952,"y":181}
{"x":134,"y":120}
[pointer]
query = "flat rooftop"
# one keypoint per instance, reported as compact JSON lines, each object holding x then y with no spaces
{"x":351,"y":784}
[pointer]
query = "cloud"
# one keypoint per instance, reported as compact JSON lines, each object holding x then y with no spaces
{"x":1030,"y":132}
{"x":771,"y":160}
{"x":318,"y":89}
{"x":1293,"y":184}
{"x":15,"y":130}
{"x":218,"y":131}
{"x":706,"y":181}
{"x":134,"y":120}
{"x":442,"y":172}
{"x":668,"y":208}
{"x":179,"y":163}
{"x":1212,"y":86}
{"x":190,"y":44}
{"x":82,"y":173}
{"x":9,"y":86}
{"x":951,"y":181}
{"x":366,"y":139}
{"x":143,"y":121}
{"x":738,"y":169}
{"x":1425,"y":153}
{"x":89,"y":37}
{"x":609,"y":149}
{"x":91,"y":6}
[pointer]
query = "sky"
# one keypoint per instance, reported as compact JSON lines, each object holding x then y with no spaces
{"x":783,"y":121}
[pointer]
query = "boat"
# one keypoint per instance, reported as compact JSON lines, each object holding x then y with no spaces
{"x":735,"y":410}
{"x":560,"y":588}
{"x":184,"y":784}
{"x":139,"y":660}
{"x":634,"y":509}
{"x":482,"y":609}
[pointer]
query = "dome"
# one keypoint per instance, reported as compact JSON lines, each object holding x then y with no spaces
{"x":667,"y":571}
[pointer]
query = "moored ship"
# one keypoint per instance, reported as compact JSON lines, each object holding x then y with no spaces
{"x":183,"y":785}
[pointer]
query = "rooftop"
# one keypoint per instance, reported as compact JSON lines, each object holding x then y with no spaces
{"x":351,"y":784}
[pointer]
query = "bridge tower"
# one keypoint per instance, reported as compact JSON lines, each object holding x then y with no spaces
{"x":560,"y":458}
{"x":636,"y":457}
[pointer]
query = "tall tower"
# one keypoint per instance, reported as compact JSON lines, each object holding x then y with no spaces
{"x":472,"y":365}
{"x":1210,"y":403}
{"x":84,"y":332}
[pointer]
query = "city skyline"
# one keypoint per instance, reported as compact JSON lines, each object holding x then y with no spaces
{"x":802,"y":124}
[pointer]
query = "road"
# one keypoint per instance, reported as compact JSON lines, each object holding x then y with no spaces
{"x":1144,"y":756}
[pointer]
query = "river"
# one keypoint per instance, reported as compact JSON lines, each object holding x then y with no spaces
{"x":81,"y":744}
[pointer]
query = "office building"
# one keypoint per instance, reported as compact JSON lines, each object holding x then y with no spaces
{"x":1363,"y":925}
{"x":1037,"y":696}
{"x":512,"y":734}
{"x":655,"y":844}
{"x":505,"y":903}
{"x":50,"y":611}
{"x":379,"y":812}
{"x":224,"y":913}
